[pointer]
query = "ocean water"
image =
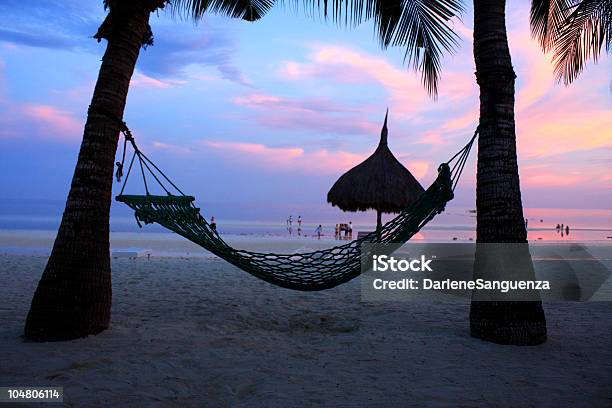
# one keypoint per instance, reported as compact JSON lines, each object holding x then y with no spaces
{"x":455,"y":224}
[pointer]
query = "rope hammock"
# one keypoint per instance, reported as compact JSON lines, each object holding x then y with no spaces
{"x":318,"y":270}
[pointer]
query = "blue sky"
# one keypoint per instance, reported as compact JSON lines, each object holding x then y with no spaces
{"x":263,"y":118}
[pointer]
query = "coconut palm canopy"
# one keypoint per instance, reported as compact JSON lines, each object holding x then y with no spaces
{"x":380,"y":183}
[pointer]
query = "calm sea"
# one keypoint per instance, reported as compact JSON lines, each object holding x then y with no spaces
{"x":455,"y":223}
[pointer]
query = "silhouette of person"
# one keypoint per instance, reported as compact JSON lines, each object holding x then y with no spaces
{"x":567,"y":230}
{"x":119,"y":172}
{"x":213,"y":224}
{"x":319,"y":231}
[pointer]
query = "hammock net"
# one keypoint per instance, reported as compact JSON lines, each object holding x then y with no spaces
{"x":318,"y":270}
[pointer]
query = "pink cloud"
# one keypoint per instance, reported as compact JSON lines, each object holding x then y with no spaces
{"x":310,"y":114}
{"x":346,"y":65}
{"x":431,"y":138}
{"x":548,"y":174}
{"x":418,"y":168}
{"x":551,"y":130}
{"x":322,"y":161}
{"x":278,"y":154}
{"x":53,"y":122}
{"x":260,"y":100}
{"x":466,"y":121}
{"x":79,"y":95}
{"x":171,"y":148}
{"x":295,"y":71}
{"x":535,"y":71}
{"x":35,"y":120}
{"x":140,"y":80}
{"x":343,"y":64}
{"x":294,"y":158}
{"x":550,"y":179}
{"x":10,"y":46}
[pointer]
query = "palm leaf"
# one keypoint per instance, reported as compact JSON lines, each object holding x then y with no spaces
{"x":547,"y":18}
{"x":249,"y":10}
{"x":576,"y":30}
{"x":586,"y":30}
{"x":423,"y":28}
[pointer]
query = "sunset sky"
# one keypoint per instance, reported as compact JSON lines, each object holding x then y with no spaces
{"x":268,"y":115}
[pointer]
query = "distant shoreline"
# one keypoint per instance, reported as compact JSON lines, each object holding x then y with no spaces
{"x":167,"y":244}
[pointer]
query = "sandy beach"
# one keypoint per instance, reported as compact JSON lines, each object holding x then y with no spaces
{"x":398,"y":162}
{"x":195,"y":331}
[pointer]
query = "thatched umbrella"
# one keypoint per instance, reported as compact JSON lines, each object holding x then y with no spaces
{"x":380,"y":183}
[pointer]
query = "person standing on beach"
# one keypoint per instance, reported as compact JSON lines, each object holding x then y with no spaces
{"x":567,"y":230}
{"x":319,"y":231}
{"x":213,"y":223}
{"x":299,"y":221}
{"x":289,"y":223}
{"x":350,"y":230}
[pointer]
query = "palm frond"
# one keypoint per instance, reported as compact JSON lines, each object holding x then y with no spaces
{"x":422,"y":26}
{"x":249,"y":10}
{"x":344,"y":12}
{"x":424,"y":29}
{"x":547,"y":18}
{"x":575,"y":29}
{"x":586,"y":30}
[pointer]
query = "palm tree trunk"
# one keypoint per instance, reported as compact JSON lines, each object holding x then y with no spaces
{"x":498,"y":196}
{"x":73,"y":297}
{"x":378,"y":220}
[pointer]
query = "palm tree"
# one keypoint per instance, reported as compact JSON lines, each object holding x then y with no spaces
{"x":576,"y":30}
{"x":73,"y":297}
{"x":422,"y":27}
{"x":498,"y":196}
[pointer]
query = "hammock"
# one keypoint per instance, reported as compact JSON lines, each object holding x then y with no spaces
{"x":310,"y":271}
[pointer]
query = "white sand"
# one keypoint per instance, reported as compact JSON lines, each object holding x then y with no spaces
{"x":198,"y":332}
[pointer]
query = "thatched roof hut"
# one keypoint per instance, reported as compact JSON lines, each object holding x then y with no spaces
{"x":380,"y":183}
